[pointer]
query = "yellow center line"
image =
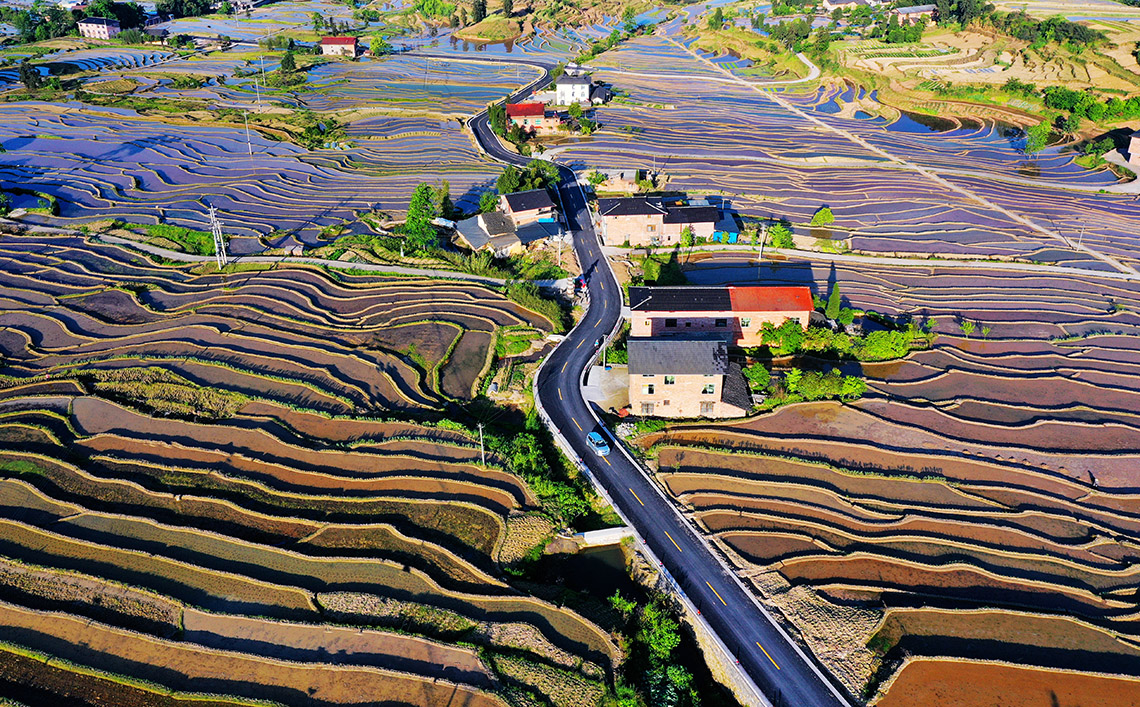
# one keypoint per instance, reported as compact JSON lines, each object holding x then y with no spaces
{"x":576,"y":423}
{"x":580,"y":344}
{"x":766,"y":653}
{"x":603,"y":285}
{"x":718,"y":596}
{"x":564,"y":366}
{"x":672,"y":540}
{"x":607,"y":461}
{"x":559,"y":393}
{"x":636,"y":496}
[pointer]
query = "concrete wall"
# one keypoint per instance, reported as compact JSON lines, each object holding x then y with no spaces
{"x":682,"y":398}
{"x":338,"y":50}
{"x":637,"y":230}
{"x":653,"y":324}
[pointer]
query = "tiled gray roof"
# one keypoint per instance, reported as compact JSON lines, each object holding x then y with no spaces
{"x":677,"y":356}
{"x":680,"y":299}
{"x":530,"y":200}
{"x":734,"y":390}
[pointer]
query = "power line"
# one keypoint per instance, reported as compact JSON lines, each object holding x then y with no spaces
{"x":219,"y":240}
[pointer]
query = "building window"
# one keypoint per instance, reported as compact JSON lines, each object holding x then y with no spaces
{"x":646,"y":375}
{"x":670,"y":380}
{"x":647,"y":389}
{"x":745,"y":323}
{"x":721,"y":323}
{"x":651,"y":229}
{"x":709,"y":389}
{"x":688,"y":324}
{"x":647,"y":408}
{"x":670,"y":323}
{"x":706,"y":408}
{"x":665,"y":403}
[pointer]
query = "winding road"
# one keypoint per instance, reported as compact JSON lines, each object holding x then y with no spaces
{"x":786,"y":676}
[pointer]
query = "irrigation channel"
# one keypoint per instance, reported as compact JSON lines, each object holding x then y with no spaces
{"x":784,"y":675}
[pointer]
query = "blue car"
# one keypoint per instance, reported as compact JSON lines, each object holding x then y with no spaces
{"x":598,"y":444}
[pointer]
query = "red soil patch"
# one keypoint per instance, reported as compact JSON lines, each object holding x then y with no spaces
{"x":932,"y":682}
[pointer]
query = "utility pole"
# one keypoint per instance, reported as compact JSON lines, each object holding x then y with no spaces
{"x":248,"y":144}
{"x":219,"y":239}
{"x":1081,"y":237}
{"x":482,"y":451}
{"x":257,"y":90}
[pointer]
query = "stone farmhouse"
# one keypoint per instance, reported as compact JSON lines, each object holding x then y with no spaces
{"x":339,"y":46}
{"x":733,"y":314}
{"x":533,"y":118}
{"x":915,"y":14}
{"x":98,"y":28}
{"x":653,"y":221}
{"x":685,"y":377}
{"x":529,"y":206}
{"x":522,"y":219}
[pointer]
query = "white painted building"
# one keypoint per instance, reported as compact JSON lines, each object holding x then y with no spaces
{"x":572,"y":89}
{"x":98,"y":28}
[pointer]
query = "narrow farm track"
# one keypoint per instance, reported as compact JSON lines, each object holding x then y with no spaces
{"x":926,"y":172}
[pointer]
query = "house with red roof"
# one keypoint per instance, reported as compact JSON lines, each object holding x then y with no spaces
{"x":532,"y":117}
{"x":339,"y":46}
{"x":736,"y":314}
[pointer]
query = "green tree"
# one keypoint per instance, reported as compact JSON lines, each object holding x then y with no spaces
{"x":1037,"y":137}
{"x":780,"y":236}
{"x":687,"y":237}
{"x":226,"y":8}
{"x":479,"y":10}
{"x":834,"y":303}
{"x":419,"y":233}
{"x":792,"y":379}
{"x":823,"y":217}
{"x":379,"y":45}
{"x":488,"y":201}
{"x":596,"y":178}
{"x":497,"y":117}
{"x":288,"y":63}
{"x":509,"y":181}
{"x":986,"y":332}
{"x":575,"y":110}
{"x":5,"y":204}
{"x":443,"y":200}
{"x":453,"y":21}
{"x":30,"y":76}
{"x":758,"y":376}
{"x":508,"y":8}
{"x":716,"y":19}
{"x":852,"y":387}
{"x":318,"y":22}
{"x":463,"y":16}
{"x":623,"y":606}
{"x":659,"y":632}
{"x":967,"y":327}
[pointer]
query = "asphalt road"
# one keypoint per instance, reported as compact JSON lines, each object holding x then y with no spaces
{"x":787,"y":677}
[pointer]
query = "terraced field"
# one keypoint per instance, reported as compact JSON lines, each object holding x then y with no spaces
{"x":981,"y":197}
{"x":979,"y":503}
{"x":194,"y":476}
{"x":108,"y":163}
